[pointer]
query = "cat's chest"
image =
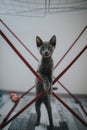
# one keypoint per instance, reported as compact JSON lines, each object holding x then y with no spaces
{"x":46,"y":68}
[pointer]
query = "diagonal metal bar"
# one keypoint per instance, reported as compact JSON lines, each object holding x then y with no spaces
{"x":8,"y":115}
{"x":70,"y":47}
{"x":21,"y":57}
{"x":15,"y":105}
{"x":19,"y":112}
{"x":19,"y":40}
{"x":71,"y":63}
{"x":33,"y":54}
{"x":59,"y":60}
{"x":74,"y":113}
{"x":31,"y":67}
{"x":27,"y":91}
{"x":73,"y":97}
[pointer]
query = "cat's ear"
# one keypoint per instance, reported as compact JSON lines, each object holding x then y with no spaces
{"x":53,"y":41}
{"x":39,"y":42}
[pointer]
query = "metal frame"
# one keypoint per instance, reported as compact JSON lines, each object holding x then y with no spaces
{"x":27,"y":49}
{"x":4,"y":123}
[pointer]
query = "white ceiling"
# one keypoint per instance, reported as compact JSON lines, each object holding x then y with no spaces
{"x":40,"y":7}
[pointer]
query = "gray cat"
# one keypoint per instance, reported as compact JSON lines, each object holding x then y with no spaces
{"x":45,"y":70}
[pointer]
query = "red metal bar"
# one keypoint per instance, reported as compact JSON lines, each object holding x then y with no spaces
{"x":73,"y":97}
{"x":19,"y":112}
{"x":74,"y":113}
{"x":70,"y":47}
{"x":19,"y":40}
{"x":27,"y":92}
{"x":9,"y":113}
{"x":25,"y":62}
{"x":21,"y":57}
{"x":71,"y":63}
{"x":60,"y":75}
{"x":60,"y":59}
{"x":30,"y":67}
{"x":33,"y":54}
{"x":15,"y":105}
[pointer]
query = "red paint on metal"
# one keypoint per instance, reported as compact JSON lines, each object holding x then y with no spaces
{"x":59,"y":76}
{"x":74,"y":113}
{"x":71,"y":63}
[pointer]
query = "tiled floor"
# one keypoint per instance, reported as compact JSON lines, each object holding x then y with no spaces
{"x":63,"y":119}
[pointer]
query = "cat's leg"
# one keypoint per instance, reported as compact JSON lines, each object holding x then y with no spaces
{"x":49,"y":110}
{"x":38,"y":111}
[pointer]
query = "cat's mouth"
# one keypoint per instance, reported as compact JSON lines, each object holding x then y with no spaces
{"x":46,"y":55}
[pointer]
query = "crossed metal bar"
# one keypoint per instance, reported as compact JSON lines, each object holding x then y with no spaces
{"x":28,"y":50}
{"x":39,"y":78}
{"x":57,"y":63}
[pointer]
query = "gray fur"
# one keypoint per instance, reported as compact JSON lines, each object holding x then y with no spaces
{"x":45,"y":70}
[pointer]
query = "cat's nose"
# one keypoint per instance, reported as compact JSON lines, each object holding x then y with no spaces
{"x":46,"y":52}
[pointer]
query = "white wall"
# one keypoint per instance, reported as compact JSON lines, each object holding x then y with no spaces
{"x":14,"y":75}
